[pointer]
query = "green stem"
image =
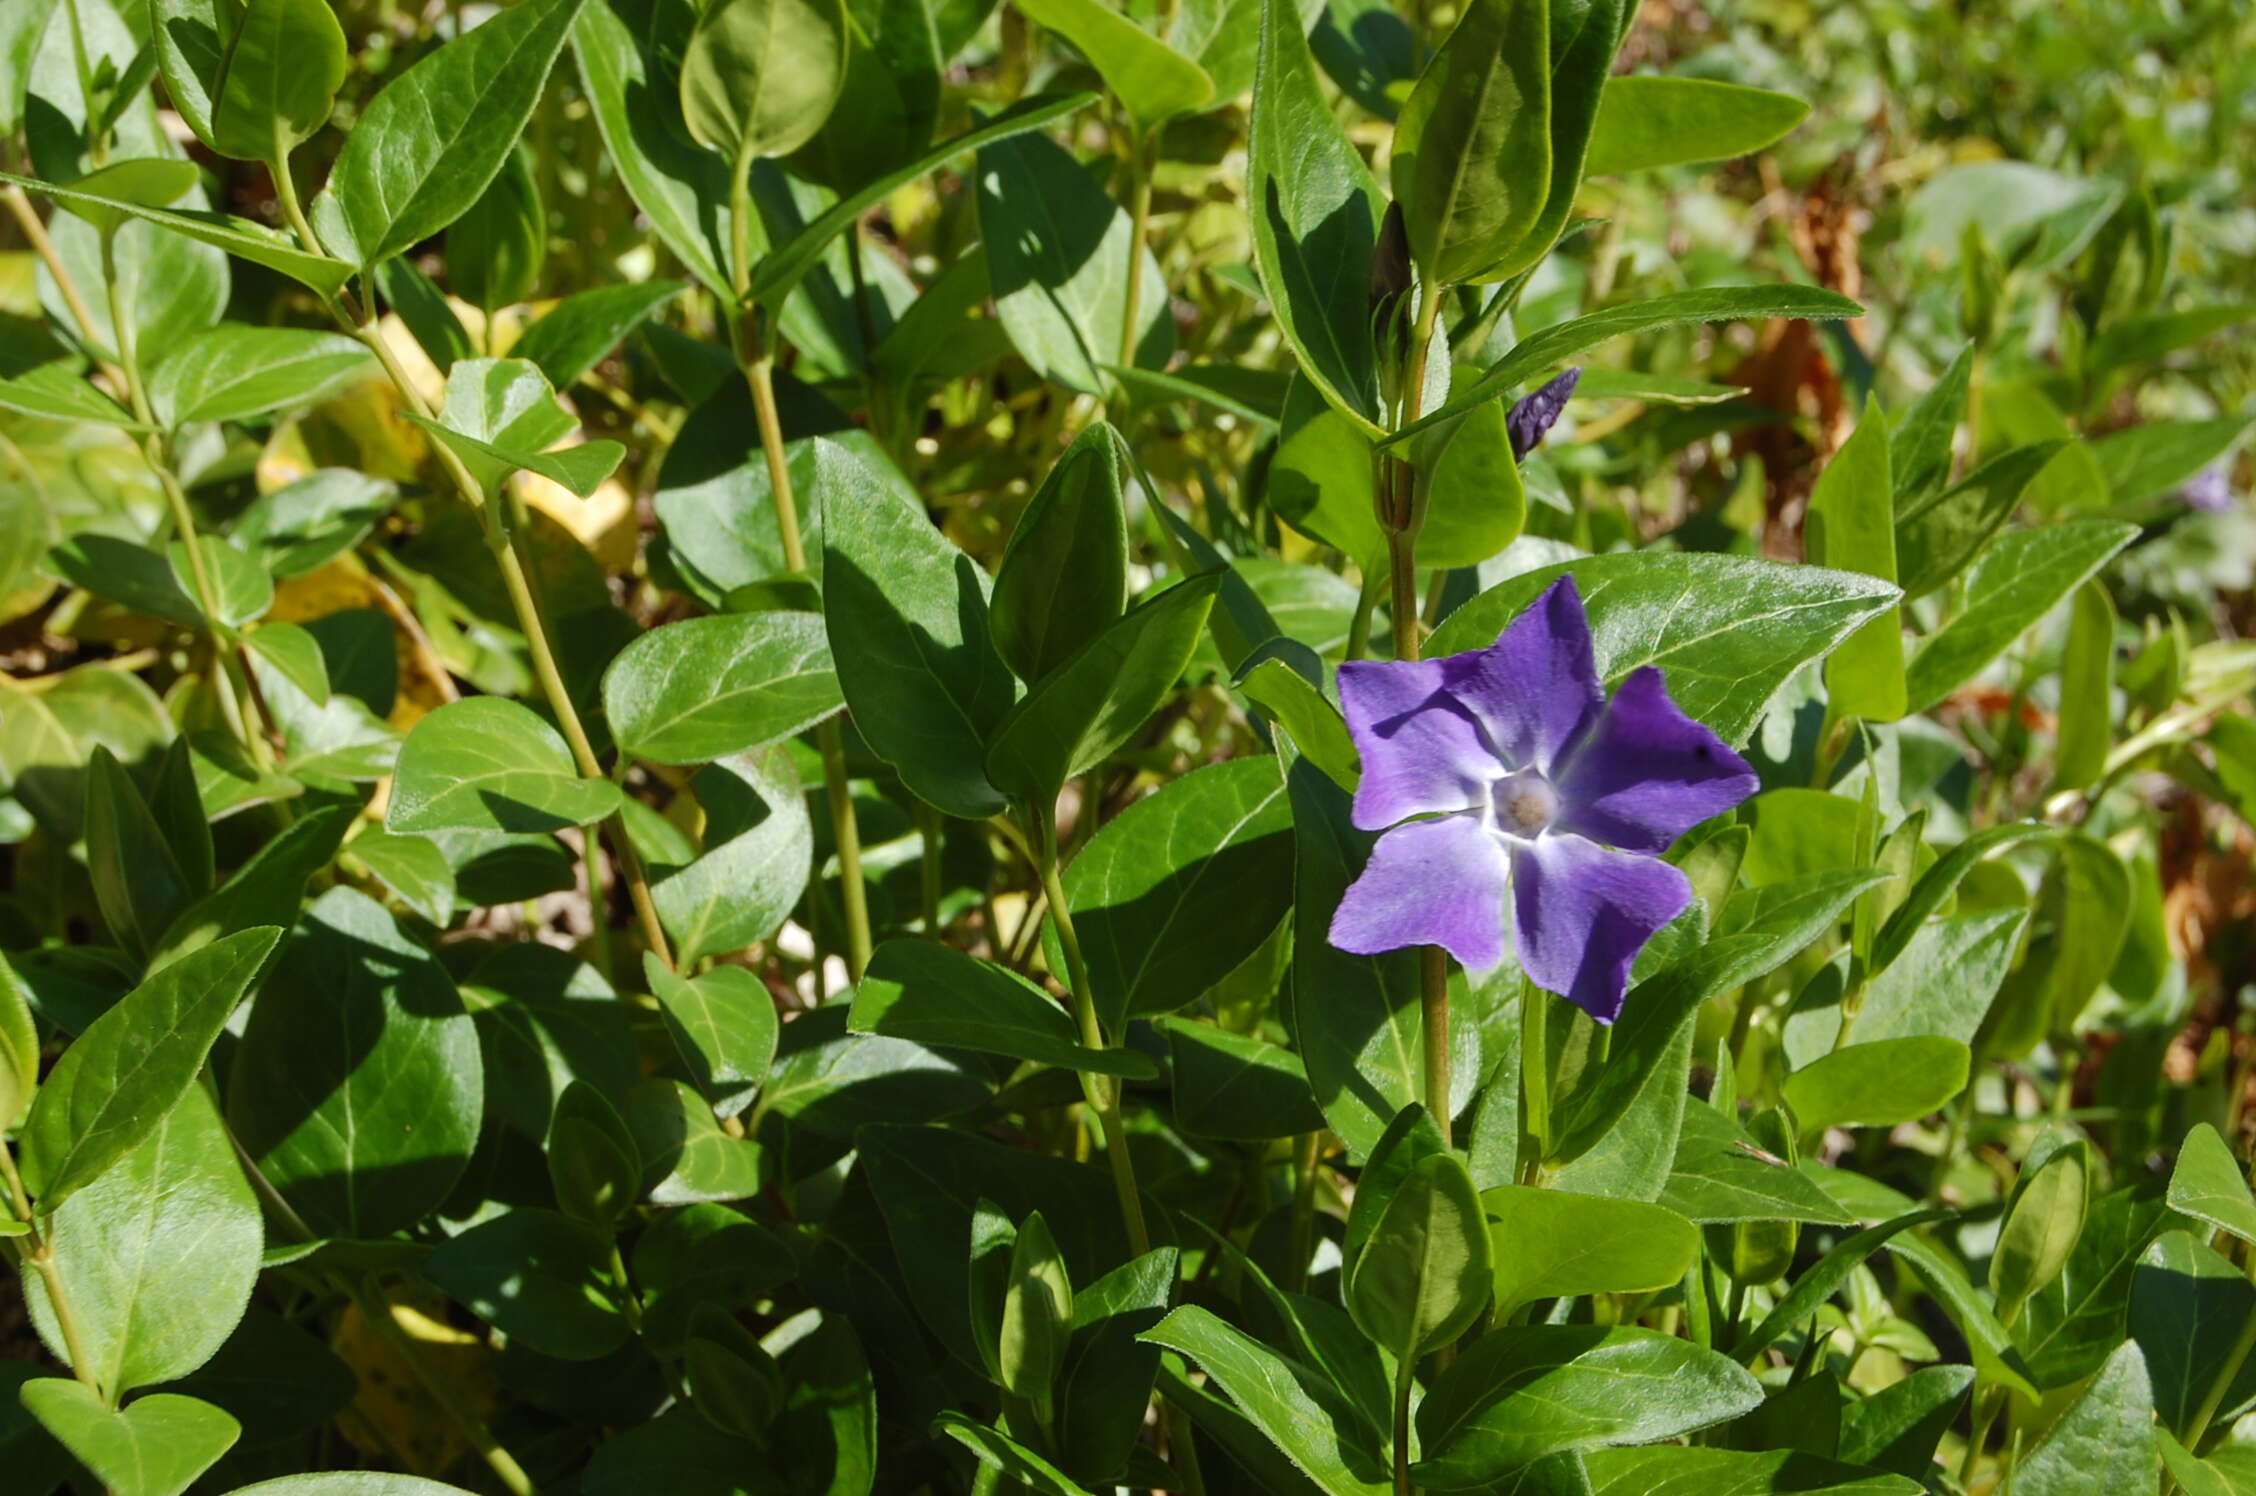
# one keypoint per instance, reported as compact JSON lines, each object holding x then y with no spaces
{"x":1101,"y":1091}
{"x":1139,"y":225}
{"x":40,"y":1253}
{"x":928,"y":867}
{"x":1985,"y":1415}
{"x":1305,"y":1149}
{"x":377,"y":1311}
{"x":1433,"y":1012}
{"x":1535,"y":1081}
{"x":1366,"y":603}
{"x":1402,"y":1383}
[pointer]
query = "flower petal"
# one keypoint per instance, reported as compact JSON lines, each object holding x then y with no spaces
{"x":1536,"y":687}
{"x":1439,"y":882}
{"x":1581,"y":913}
{"x":1645,"y":773}
{"x":1423,"y":751}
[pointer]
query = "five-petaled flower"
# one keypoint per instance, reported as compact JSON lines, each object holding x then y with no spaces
{"x":1505,"y":772}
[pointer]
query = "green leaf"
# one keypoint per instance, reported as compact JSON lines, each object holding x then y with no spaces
{"x":759,"y":77}
{"x":1878,"y":1084}
{"x":241,"y":589}
{"x":1059,"y":254}
{"x":358,"y":1086}
{"x":1522,"y":1393}
{"x":304,"y":525}
{"x":2105,"y":1441}
{"x":1731,"y":1472}
{"x":1105,"y":1385}
{"x":1821,"y":1280}
{"x":907,"y":615}
{"x":2087,"y":690}
{"x":1422,"y":1275}
{"x":594,"y":1166}
{"x":1939,"y":882}
{"x":1182,"y":887}
{"x":1096,"y":700}
{"x":1301,"y":1412}
{"x":787,"y":264}
{"x":681,"y":189}
{"x":2042,"y":1222}
{"x":1727,"y":631}
{"x":19,"y":1047}
{"x":2071,"y":1324}
{"x":2017,"y":581}
{"x":146,"y":1310}
{"x":296,"y":654}
{"x":2208,"y":1184}
{"x":485,"y":763}
{"x":266,"y":890}
{"x":1556,"y":344}
{"x":413,"y":868}
{"x":2155,"y":457}
{"x":1719,"y":1178}
{"x":538,"y":1277}
{"x":1315,"y":218}
{"x":1645,"y":122}
{"x":933,"y":995}
{"x":1064,"y":574}
{"x":2230,"y":1469}
{"x":145,"y":182}
{"x":131,"y":575}
{"x":237,"y":236}
{"x":2154,"y":335}
{"x":582,"y":329}
{"x":284,"y":65}
{"x":546,"y":1021}
{"x":724,"y":1026}
{"x":138,"y":882}
{"x":1152,"y":80}
{"x":686,"y":1158}
{"x":58,"y":391}
{"x":1321,"y":479}
{"x":113,"y":1087}
{"x":1315,"y":725}
{"x":998,"y":1451}
{"x":758,"y":853}
{"x":1472,"y":148}
{"x":501,"y":417}
{"x":155,"y":1447}
{"x":1898,"y":1428}
{"x":424,"y":149}
{"x":1936,"y":539}
{"x":2188,"y":1305}
{"x":704,"y":688}
{"x":1475,"y":501}
{"x":496,"y":248}
{"x":1851,"y":527}
{"x":1551,"y":1243}
{"x":1037,"y":1317}
{"x":1235,"y":1085}
{"x":1995,"y":1355}
{"x":1919,"y":449}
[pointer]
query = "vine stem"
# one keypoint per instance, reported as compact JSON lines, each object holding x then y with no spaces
{"x":1535,"y":1081}
{"x":1139,"y":227}
{"x":1102,"y":1091}
{"x":40,"y":1253}
{"x":1403,"y":1378}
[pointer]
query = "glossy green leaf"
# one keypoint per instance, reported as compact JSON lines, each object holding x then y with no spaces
{"x":1315,"y":725}
{"x":2210,"y":1185}
{"x":1422,"y":1274}
{"x":1064,"y":574}
{"x":1181,"y":888}
{"x":758,"y":852}
{"x":941,"y":997}
{"x":1100,"y":696}
{"x":357,"y":1088}
{"x":501,"y":417}
{"x":1471,"y":164}
{"x":296,"y":654}
{"x":1059,"y":254}
{"x":1152,"y":80}
{"x":1522,"y":1393}
{"x":413,"y":868}
{"x":1936,"y":538}
{"x":2105,"y":1441}
{"x":304,"y":524}
{"x":486,"y":763}
{"x":1555,"y":345}
{"x":1550,"y":1243}
{"x":58,"y":391}
{"x":2087,"y":690}
{"x":159,"y":1254}
{"x":582,"y":329}
{"x":424,"y":149}
{"x":1302,"y":1413}
{"x":2042,"y":1221}
{"x":686,"y":1157}
{"x":998,"y":1451}
{"x":758,"y":77}
{"x":285,"y":63}
{"x":144,"y":182}
{"x":1821,"y":1280}
{"x":2188,"y":1304}
{"x":1878,"y":1084}
{"x":139,"y":884}
{"x":1995,"y":1354}
{"x":704,"y":688}
{"x":1719,"y":1176}
{"x":1851,"y":527}
{"x":155,"y":1446}
{"x":1237,"y":1086}
{"x":1644,"y":122}
{"x":496,"y":248}
{"x":723,"y":1022}
{"x":1315,"y":209}
{"x":537,"y":1277}
{"x":1726,"y":631}
{"x":907,"y":614}
{"x":2017,"y":581}
{"x":114,"y":1086}
{"x":1731,"y":1472}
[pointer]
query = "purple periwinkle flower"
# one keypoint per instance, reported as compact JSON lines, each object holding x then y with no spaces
{"x":2209,"y":490}
{"x":1533,"y":415}
{"x":1506,"y":772}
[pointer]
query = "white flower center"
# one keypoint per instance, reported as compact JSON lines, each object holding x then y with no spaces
{"x":1524,"y":803}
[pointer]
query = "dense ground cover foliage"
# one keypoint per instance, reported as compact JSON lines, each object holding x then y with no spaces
{"x":852,"y":746}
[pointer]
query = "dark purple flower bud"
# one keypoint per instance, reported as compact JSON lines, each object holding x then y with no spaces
{"x":1522,"y":809}
{"x":1537,"y":413}
{"x":2209,"y":490}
